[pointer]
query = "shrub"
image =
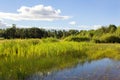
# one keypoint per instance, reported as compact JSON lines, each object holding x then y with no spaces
{"x":77,"y":38}
{"x":96,"y":40}
{"x":109,"y":38}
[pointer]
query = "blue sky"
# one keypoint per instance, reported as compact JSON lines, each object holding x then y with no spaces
{"x":59,"y":14}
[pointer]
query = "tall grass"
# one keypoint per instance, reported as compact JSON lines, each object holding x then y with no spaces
{"x":37,"y":48}
{"x":20,"y":58}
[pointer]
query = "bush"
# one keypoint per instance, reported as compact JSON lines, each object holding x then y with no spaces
{"x":77,"y":38}
{"x":96,"y":40}
{"x":108,"y":38}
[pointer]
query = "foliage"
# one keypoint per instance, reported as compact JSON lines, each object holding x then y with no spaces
{"x":77,"y":38}
{"x":107,"y":38}
{"x":105,"y":34}
{"x":110,"y":38}
{"x":21,"y":58}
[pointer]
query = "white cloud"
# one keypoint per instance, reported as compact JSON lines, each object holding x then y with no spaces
{"x":38,"y":12}
{"x":86,"y":27}
{"x":72,"y":23}
{"x":3,"y":25}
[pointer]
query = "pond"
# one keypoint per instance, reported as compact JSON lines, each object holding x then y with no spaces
{"x":104,"y":69}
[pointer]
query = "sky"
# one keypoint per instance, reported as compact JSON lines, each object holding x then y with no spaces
{"x":59,"y":14}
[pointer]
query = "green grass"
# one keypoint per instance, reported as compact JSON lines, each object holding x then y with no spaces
{"x":21,"y":58}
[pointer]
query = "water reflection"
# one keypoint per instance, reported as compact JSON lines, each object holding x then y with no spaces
{"x":105,"y":69}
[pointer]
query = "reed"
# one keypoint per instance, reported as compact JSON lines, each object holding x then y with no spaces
{"x":21,"y":58}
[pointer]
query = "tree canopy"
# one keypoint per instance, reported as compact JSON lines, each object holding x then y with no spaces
{"x":106,"y":34}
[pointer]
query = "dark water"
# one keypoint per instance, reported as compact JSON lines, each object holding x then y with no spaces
{"x":105,"y":69}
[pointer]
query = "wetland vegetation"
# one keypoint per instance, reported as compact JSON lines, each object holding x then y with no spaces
{"x":22,"y":56}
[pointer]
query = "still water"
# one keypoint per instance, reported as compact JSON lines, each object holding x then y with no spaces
{"x":104,"y":69}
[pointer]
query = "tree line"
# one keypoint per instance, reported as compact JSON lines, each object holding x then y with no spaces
{"x":105,"y":34}
{"x":34,"y":32}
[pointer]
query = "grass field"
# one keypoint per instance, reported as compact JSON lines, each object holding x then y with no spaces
{"x":21,"y":58}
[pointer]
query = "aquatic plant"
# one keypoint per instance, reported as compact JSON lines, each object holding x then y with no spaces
{"x":20,"y":58}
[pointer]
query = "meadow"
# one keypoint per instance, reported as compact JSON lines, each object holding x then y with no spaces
{"x":20,"y":58}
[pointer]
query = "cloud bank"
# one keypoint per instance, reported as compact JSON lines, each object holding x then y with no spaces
{"x":38,"y":12}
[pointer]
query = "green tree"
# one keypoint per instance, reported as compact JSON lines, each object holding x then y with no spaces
{"x":112,"y":28}
{"x":10,"y":32}
{"x":73,"y":32}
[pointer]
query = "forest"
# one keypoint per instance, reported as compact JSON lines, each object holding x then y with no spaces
{"x":105,"y":34}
